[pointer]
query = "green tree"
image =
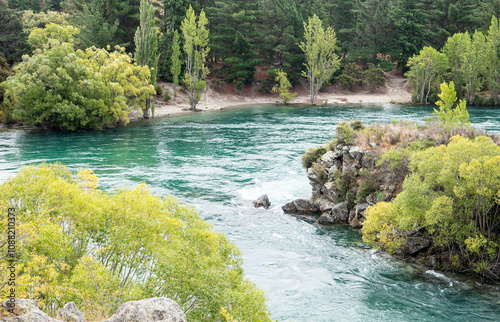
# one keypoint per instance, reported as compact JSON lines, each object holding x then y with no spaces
{"x":146,"y":47}
{"x":319,"y":48}
{"x":13,"y":40}
{"x":425,"y":68}
{"x":52,"y":34}
{"x":94,"y":29}
{"x":448,"y":115}
{"x":283,"y":87}
{"x":195,"y":51}
{"x":175,"y":68}
{"x":351,"y":76}
{"x":5,"y":71}
{"x":492,"y":62}
{"x":241,"y":64}
{"x":40,"y":20}
{"x":61,"y":88}
{"x":374,"y":77}
{"x":278,"y":46}
{"x":101,"y":249}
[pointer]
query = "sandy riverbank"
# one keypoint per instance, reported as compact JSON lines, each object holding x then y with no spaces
{"x":395,"y":90}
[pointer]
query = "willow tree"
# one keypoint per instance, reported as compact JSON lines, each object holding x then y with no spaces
{"x":195,"y":50}
{"x":319,"y":49}
{"x":146,"y":46}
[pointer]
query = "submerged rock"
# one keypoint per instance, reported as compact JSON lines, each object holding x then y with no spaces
{"x":262,"y":201}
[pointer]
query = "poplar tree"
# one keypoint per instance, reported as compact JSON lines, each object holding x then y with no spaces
{"x":195,"y":51}
{"x":175,"y":68}
{"x":146,"y":46}
{"x":319,"y":49}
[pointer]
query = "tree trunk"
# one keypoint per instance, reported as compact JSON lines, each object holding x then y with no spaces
{"x":147,"y":109}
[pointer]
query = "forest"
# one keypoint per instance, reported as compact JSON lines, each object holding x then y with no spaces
{"x":245,"y":33}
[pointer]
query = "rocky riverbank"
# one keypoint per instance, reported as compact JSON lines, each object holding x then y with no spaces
{"x":364,"y":166}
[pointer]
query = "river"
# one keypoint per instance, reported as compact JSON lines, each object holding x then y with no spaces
{"x":219,"y":162}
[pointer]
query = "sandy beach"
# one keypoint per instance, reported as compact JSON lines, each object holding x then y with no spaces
{"x":394,"y":91}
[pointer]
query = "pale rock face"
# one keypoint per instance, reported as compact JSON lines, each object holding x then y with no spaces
{"x":158,"y":309}
{"x":70,"y":313}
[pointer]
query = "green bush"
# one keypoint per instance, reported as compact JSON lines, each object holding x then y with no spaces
{"x":311,"y":156}
{"x":365,"y":188}
{"x":386,"y":66}
{"x":344,"y":134}
{"x":78,"y":240}
{"x":158,"y":90}
{"x":357,"y":125}
{"x":452,"y":193}
{"x":167,"y":96}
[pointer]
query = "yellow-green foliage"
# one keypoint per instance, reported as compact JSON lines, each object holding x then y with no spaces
{"x":33,"y":20}
{"x":84,"y":89}
{"x":454,"y":193}
{"x":447,"y":115}
{"x":51,"y":35}
{"x":283,"y":87}
{"x":78,"y":243}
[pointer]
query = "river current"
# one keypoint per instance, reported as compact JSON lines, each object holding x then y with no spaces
{"x":219,"y":162}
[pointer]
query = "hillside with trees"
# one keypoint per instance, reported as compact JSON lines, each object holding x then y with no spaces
{"x":429,"y":41}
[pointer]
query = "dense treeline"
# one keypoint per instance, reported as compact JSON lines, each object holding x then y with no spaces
{"x":269,"y":30}
{"x":228,"y":40}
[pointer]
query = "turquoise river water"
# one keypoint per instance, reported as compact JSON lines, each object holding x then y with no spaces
{"x":219,"y":162}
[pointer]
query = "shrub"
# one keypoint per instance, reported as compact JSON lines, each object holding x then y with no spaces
{"x":167,"y":96}
{"x":158,"y":90}
{"x":343,"y":134}
{"x":374,"y":77}
{"x":78,"y":240}
{"x":311,"y":156}
{"x":365,"y":188}
{"x":447,"y":115}
{"x":357,"y":125}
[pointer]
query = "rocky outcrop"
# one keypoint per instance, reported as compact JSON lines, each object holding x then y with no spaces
{"x":262,"y":201}
{"x":25,"y":310}
{"x":331,"y":202}
{"x":70,"y":313}
{"x":159,"y":309}
{"x":301,"y":207}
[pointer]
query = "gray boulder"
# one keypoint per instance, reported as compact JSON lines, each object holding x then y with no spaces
{"x":70,"y":313}
{"x":328,"y":158}
{"x":326,"y":219}
{"x":356,"y":152}
{"x":372,"y":198}
{"x":262,"y":201}
{"x":360,"y":210}
{"x":25,"y":310}
{"x":329,"y":192}
{"x":340,"y":212}
{"x":324,"y":204}
{"x":158,"y":309}
{"x":301,"y":207}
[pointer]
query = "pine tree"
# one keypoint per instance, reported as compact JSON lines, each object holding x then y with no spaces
{"x":94,"y":29}
{"x":146,"y":46}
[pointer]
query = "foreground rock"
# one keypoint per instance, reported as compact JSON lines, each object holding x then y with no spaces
{"x":70,"y":313}
{"x":262,"y":201}
{"x":24,"y":311}
{"x":159,"y":309}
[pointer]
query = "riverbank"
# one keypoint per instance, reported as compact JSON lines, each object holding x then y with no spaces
{"x":396,"y":90}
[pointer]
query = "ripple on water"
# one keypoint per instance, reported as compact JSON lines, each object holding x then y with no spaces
{"x":220,"y":162}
